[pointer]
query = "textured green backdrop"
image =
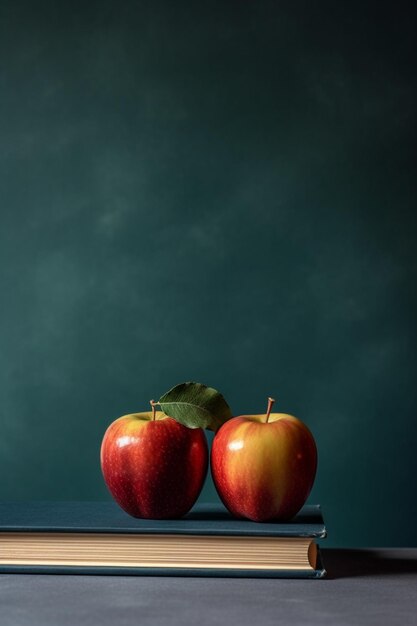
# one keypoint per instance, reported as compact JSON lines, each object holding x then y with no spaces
{"x":220,"y":192}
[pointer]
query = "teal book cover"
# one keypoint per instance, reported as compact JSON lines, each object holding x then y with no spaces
{"x":62,"y":521}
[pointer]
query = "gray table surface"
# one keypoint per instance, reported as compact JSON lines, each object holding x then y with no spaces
{"x":362,"y":587}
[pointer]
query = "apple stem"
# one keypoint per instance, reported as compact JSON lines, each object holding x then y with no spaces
{"x":268,"y":411}
{"x":153,"y":405}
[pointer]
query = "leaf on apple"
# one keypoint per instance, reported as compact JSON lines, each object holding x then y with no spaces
{"x":196,"y":406}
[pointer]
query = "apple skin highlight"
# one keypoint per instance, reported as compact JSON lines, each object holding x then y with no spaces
{"x":153,"y":466}
{"x":264,"y":470}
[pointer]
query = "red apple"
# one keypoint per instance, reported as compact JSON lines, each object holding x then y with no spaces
{"x":264,"y":466}
{"x":153,"y":466}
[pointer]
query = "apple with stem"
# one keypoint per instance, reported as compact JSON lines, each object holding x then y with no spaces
{"x":153,"y":466}
{"x":263,"y":466}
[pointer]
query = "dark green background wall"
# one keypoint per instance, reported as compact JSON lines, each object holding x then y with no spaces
{"x":221,"y":192}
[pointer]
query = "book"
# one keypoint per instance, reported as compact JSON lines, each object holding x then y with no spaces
{"x":100,"y":538}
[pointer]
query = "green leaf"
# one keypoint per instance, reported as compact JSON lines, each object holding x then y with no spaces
{"x":196,"y":406}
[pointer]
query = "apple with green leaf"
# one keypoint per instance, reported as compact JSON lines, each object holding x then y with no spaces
{"x":154,"y":463}
{"x":263,"y":466}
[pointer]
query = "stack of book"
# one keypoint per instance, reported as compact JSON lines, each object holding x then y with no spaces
{"x":99,"y":538}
